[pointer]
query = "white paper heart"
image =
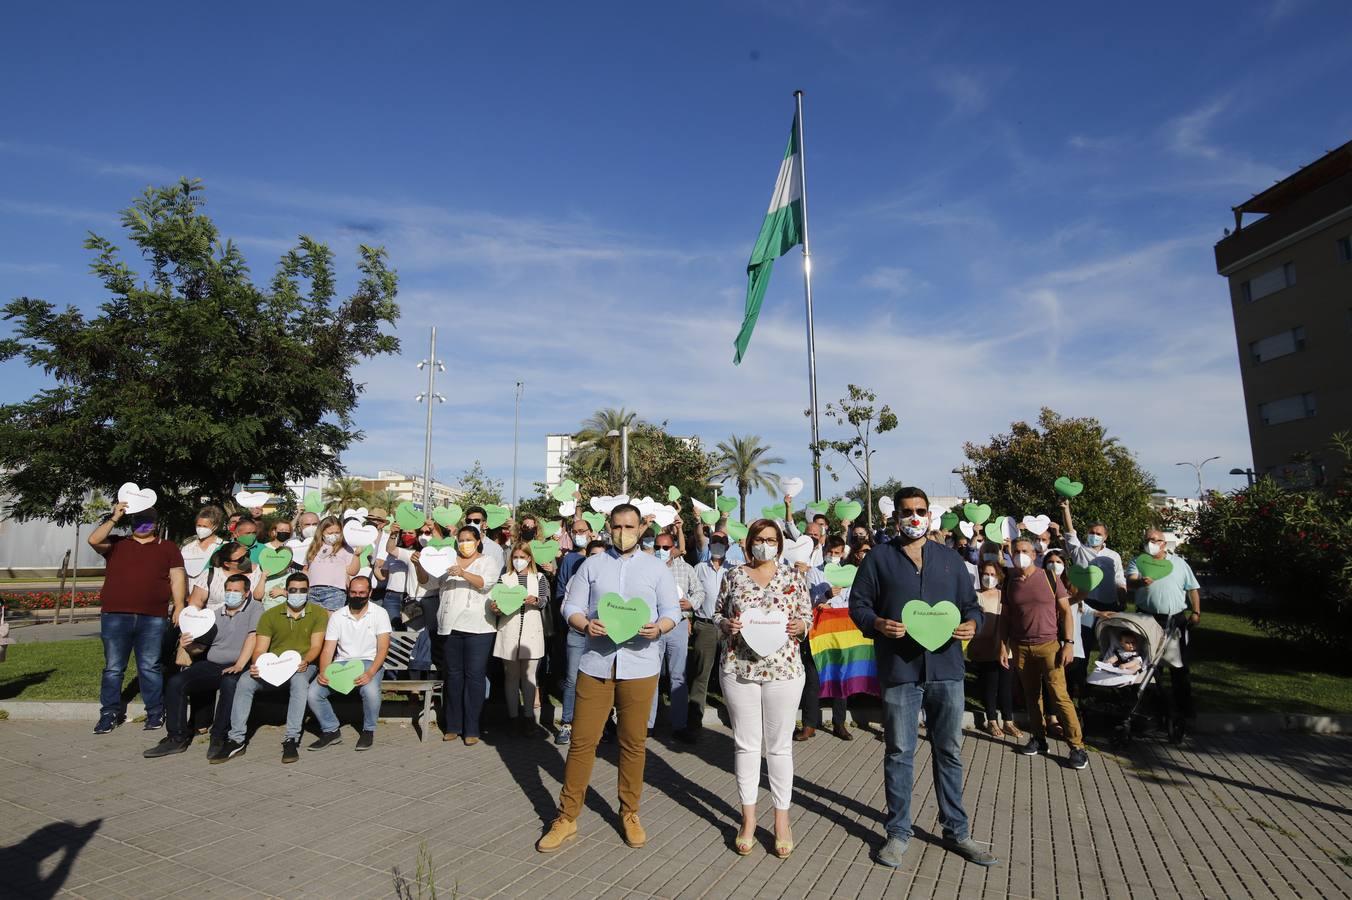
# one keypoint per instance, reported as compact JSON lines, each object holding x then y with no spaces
{"x":358,"y":514}
{"x":799,"y":551}
{"x":196,"y":622}
{"x":764,"y":631}
{"x":967,"y":529}
{"x":300,"y":549}
{"x":664,"y":515}
{"x":604,"y":504}
{"x":936,"y":513}
{"x":277,"y":670}
{"x":138,"y":499}
{"x":568,"y":508}
{"x":359,"y":536}
{"x":1036,"y":525}
{"x":195,"y":558}
{"x":699,"y":507}
{"x":436,"y":560}
{"x":250,"y":499}
{"x":886,"y":506}
{"x":1009,"y":527}
{"x":791,"y":487}
{"x":646,"y":506}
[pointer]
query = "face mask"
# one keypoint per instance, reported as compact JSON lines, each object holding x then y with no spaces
{"x":248,"y":540}
{"x":1152,"y":548}
{"x":581,"y":540}
{"x":332,"y":539}
{"x":308,"y":531}
{"x":915,"y":528}
{"x":424,"y":540}
{"x":663,"y":554}
{"x":718,"y":551}
{"x":990,"y":557}
{"x":623,"y":541}
{"x":833,"y":560}
{"x":1094,"y":540}
{"x":649,"y":543}
{"x":1040,"y":546}
{"x":520,"y":564}
{"x":143,"y":528}
{"x":1022,"y":561}
{"x":989,"y":581}
{"x":467,"y":548}
{"x":204,"y":532}
{"x":244,"y":565}
{"x":1058,"y":568}
{"x":528,"y":533}
{"x":357,"y":603}
{"x":283,"y":536}
{"x":296,"y":601}
{"x":763,"y":552}
{"x":234,"y":599}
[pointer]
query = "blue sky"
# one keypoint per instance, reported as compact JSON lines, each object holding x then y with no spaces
{"x":1009,"y":208}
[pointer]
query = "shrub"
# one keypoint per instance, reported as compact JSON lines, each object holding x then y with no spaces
{"x":14,"y":600}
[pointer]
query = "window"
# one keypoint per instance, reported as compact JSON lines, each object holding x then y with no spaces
{"x":1270,"y":282}
{"x":1345,"y":248}
{"x":1278,"y":345}
{"x":1288,"y":409}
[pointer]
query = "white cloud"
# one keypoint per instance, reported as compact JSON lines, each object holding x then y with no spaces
{"x":894,"y":280}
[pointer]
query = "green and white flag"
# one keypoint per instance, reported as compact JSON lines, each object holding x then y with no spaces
{"x":781,"y":230}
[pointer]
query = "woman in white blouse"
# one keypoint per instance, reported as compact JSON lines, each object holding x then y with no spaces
{"x":762,"y":686}
{"x":467,"y":627}
{"x":520,"y":642}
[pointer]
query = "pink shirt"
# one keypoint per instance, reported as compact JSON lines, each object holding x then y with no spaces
{"x":330,"y":568}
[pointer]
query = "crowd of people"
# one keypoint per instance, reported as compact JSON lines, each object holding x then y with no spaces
{"x":790,"y":615}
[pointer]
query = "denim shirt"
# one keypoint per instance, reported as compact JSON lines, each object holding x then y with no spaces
{"x":886,"y":582}
{"x":637,"y":575}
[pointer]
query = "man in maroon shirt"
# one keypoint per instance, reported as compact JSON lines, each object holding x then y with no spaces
{"x":1037,"y":630}
{"x":143,"y":574}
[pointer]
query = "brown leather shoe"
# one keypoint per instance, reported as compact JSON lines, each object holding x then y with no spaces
{"x":634,"y":835}
{"x":471,"y":741}
{"x":992,"y":728}
{"x":804,"y":733}
{"x":842,"y":731}
{"x":560,"y":833}
{"x":450,"y":736}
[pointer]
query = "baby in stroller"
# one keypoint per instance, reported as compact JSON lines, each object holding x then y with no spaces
{"x":1123,"y":654}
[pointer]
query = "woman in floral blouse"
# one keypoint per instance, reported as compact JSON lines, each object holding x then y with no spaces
{"x":762,"y":683}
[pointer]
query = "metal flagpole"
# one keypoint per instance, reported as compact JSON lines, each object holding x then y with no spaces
{"x":807,"y":294}
{"x":516,"y":434}
{"x":431,"y":397}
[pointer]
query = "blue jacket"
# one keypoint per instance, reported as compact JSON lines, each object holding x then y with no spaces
{"x":886,"y":582}
{"x":567,"y":566}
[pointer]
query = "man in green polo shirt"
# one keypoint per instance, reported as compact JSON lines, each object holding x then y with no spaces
{"x":297,"y":625}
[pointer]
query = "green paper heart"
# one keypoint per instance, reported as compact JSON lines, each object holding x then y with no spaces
{"x":657,"y":529}
{"x":274,"y":561}
{"x":1086,"y":578}
{"x":441,"y":542}
{"x":995,"y":531}
{"x":408,"y":517}
{"x":778,"y":511}
{"x":840,"y":576}
{"x":802,"y":526}
{"x":736,"y":530}
{"x":448,"y":516}
{"x":726,"y":504}
{"x":673,"y":493}
{"x":930,"y":626}
{"x":546,"y":530}
{"x":508,"y":597}
{"x":1154,"y":569}
{"x":545,"y":551}
{"x":343,"y":676}
{"x":848,"y":510}
{"x":623,"y":618}
{"x":819,"y":506}
{"x":565,"y":491}
{"x":596,"y":520}
{"x":948,"y":521}
{"x":710,"y":516}
{"x":495,"y":515}
{"x":1067,"y":488}
{"x":976,"y":513}
{"x":314,"y":503}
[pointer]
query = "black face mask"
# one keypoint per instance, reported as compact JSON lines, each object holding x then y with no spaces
{"x":283,"y":536}
{"x":357,"y":603}
{"x":527,"y":533}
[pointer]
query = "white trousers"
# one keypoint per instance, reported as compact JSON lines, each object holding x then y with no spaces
{"x":519,"y":683}
{"x":763,"y":713}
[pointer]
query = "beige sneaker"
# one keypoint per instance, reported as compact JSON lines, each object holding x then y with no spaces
{"x":634,"y":835}
{"x":560,"y":833}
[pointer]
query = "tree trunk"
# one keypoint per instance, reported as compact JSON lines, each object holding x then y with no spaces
{"x":868,"y":489}
{"x":741,"y":496}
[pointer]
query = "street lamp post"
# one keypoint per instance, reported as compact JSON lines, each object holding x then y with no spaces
{"x":433,"y":366}
{"x":623,"y":435}
{"x":1197,"y":467}
{"x":1249,"y":474}
{"x":516,"y":435}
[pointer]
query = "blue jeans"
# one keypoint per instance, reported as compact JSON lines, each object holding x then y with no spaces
{"x":370,"y":703}
{"x":943,"y":704}
{"x":297,"y":685}
{"x":466,"y":657}
{"x":393,"y":602}
{"x":575,"y":645}
{"x":330,"y":597}
{"x":672,"y":649}
{"x":122,"y":633}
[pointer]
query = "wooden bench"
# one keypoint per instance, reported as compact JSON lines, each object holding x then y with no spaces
{"x":396,"y":661}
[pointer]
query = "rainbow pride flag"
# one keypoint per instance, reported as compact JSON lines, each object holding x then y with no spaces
{"x":844,"y":657}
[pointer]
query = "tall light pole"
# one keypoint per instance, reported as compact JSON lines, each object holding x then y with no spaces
{"x":1248,"y":474}
{"x":623,"y":435}
{"x":1197,"y":467}
{"x":433,"y":366}
{"x":516,"y":434}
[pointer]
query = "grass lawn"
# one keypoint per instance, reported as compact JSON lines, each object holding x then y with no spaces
{"x":55,"y":670}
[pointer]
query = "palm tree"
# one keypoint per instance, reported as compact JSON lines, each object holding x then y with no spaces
{"x":594,"y":449}
{"x":343,"y":493}
{"x":386,"y":499}
{"x":742,"y":458}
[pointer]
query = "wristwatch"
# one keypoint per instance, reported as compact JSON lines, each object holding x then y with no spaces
{"x":1065,"y":641}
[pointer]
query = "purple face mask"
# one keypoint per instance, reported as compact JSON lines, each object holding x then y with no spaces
{"x":144,"y":528}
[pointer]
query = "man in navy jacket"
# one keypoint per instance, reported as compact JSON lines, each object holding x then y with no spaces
{"x":912,"y":567}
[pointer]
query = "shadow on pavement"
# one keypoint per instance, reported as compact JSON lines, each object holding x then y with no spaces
{"x":21,"y":862}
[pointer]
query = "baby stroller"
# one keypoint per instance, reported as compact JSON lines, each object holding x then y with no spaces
{"x":1157,"y":648}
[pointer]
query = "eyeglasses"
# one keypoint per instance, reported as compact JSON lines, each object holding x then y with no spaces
{"x":913,"y":512}
{"x":237,"y":560}
{"x":474,"y":521}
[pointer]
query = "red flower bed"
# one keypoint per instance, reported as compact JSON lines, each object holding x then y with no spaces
{"x":47,"y":599}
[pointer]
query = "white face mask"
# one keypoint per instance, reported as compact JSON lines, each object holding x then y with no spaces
{"x":1040,"y":546}
{"x":520,"y":564}
{"x":204,"y":532}
{"x":764,"y":552}
{"x":663,"y":554}
{"x":834,"y":560}
{"x":581,"y":540}
{"x":915,"y":528}
{"x":1058,"y":568}
{"x":234,"y":599}
{"x":1094,"y":540}
{"x":332,"y":539}
{"x":989,"y":581}
{"x":308,"y":531}
{"x":1152,"y":548}
{"x":296,"y":601}
{"x":1022,"y":561}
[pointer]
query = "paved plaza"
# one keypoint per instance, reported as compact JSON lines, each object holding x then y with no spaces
{"x":1226,"y":816}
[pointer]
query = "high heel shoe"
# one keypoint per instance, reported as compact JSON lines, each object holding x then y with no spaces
{"x":743,"y":844}
{"x":783,"y":848}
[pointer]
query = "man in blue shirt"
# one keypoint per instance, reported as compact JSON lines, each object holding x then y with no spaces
{"x":622,"y":676}
{"x":906,"y":569}
{"x":574,"y":642}
{"x":1175,"y":600}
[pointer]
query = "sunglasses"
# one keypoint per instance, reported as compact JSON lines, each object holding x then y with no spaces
{"x":475,"y":521}
{"x":913,"y":512}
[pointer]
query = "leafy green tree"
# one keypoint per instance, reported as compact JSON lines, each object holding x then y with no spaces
{"x":858,"y":415}
{"x":478,"y":489}
{"x":191,"y":379}
{"x":344,"y":493}
{"x":596,"y":450}
{"x":657,"y":460}
{"x":863,"y":495}
{"x":1014,"y":473}
{"x":746,"y":461}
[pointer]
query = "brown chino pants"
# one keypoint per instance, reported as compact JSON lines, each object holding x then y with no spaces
{"x":1036,"y":662}
{"x":631,"y":699}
